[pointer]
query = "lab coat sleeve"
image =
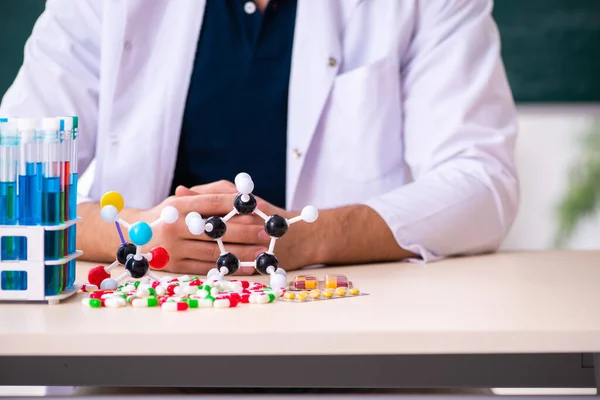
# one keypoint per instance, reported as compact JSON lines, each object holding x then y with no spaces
{"x":459,"y":133}
{"x":60,"y":71}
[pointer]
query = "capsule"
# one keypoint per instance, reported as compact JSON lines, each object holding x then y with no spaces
{"x":115,"y":302}
{"x":160,"y":290}
{"x":145,"y":302}
{"x":171,"y":288}
{"x":184,"y":278}
{"x":327,"y":294}
{"x":88,"y":288}
{"x":92,"y":303}
{"x":175,"y":306}
{"x":155,"y":284}
{"x":207,"y":302}
{"x":245,"y":298}
{"x":195,"y":282}
{"x":341,"y":291}
{"x":354,"y":291}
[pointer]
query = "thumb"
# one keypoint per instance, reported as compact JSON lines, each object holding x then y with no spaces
{"x":181,"y":191}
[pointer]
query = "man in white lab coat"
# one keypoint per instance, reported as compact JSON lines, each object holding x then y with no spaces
{"x":394,"y":117}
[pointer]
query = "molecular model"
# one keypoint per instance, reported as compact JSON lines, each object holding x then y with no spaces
{"x":137,"y":264}
{"x":275,"y":226}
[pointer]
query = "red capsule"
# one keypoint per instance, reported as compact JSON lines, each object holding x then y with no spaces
{"x":245,"y":298}
{"x":171,"y":289}
{"x":245,"y":284}
{"x":195,"y":282}
{"x":155,"y":284}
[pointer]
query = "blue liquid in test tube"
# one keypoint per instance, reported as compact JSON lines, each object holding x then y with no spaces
{"x":9,"y":142}
{"x":51,"y":206}
{"x":30,"y":192}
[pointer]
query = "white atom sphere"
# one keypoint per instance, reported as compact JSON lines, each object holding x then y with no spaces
{"x":278,"y":282}
{"x":196,"y":226}
{"x":169,"y":214}
{"x":191,"y":216}
{"x":281,"y":271}
{"x":109,"y":213}
{"x":109,"y":284}
{"x":241,"y":176}
{"x":245,"y":186}
{"x":212,"y":272}
{"x":310,"y":214}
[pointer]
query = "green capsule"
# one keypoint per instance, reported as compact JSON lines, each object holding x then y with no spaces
{"x":152,"y":302}
{"x":95,"y":303}
{"x":271,"y":297}
{"x":209,"y":297}
{"x":136,"y":284}
{"x":193,"y":303}
{"x":152,"y":291}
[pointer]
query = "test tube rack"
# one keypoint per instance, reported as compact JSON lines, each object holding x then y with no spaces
{"x":35,"y":264}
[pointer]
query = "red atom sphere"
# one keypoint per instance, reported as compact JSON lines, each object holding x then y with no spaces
{"x":97,"y":274}
{"x":160,"y":258}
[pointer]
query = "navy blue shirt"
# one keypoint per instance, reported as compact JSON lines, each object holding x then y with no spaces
{"x":235,"y":118}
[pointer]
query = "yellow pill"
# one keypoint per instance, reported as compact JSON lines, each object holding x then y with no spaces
{"x":301,"y":297}
{"x":354,"y":291}
{"x":315,"y":294}
{"x":289,"y":295}
{"x":113,"y":199}
{"x":303,"y":293}
{"x":340,"y":291}
{"x":328,"y":294}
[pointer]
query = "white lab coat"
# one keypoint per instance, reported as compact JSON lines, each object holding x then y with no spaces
{"x":399,"y":104}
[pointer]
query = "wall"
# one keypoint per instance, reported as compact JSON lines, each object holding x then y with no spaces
{"x":546,"y":147}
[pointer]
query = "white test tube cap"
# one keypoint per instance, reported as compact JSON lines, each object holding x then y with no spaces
{"x":50,"y":124}
{"x":67,"y":123}
{"x":26,"y":124}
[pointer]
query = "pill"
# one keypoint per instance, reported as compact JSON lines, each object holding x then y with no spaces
{"x":221,"y":303}
{"x":175,"y":306}
{"x":205,"y":303}
{"x":184,"y":278}
{"x":155,"y":284}
{"x":354,"y":291}
{"x":327,"y":294}
{"x":160,"y":290}
{"x":262,"y":299}
{"x":340,"y":291}
{"x":145,"y":302}
{"x":88,"y":288}
{"x":171,"y":288}
{"x":130,"y":298}
{"x":115,"y":302}
{"x":301,"y":296}
{"x":93,"y":303}
{"x":195,"y":282}
{"x":245,"y":298}
{"x":289,"y":296}
{"x":303,"y":293}
{"x":315,"y":293}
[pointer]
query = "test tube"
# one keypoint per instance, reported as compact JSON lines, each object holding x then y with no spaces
{"x":51,"y":205}
{"x":9,"y":142}
{"x":68,"y":191}
{"x":30,"y":192}
{"x":73,"y":182}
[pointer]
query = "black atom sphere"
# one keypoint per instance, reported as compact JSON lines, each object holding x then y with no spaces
{"x":264,"y":261}
{"x":137,"y":268}
{"x":218,"y":228}
{"x":244,"y":208}
{"x":229,"y":261}
{"x":276,"y":226}
{"x":124,"y":251}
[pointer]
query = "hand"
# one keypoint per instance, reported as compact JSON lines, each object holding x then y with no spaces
{"x":192,"y":254}
{"x":291,"y":249}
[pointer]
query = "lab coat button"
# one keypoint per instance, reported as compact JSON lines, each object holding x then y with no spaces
{"x":250,"y":7}
{"x":297,"y":153}
{"x":127,"y":46}
{"x":114,"y":141}
{"x":332,"y":62}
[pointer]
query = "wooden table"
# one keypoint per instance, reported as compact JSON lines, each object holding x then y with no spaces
{"x":503,"y":320}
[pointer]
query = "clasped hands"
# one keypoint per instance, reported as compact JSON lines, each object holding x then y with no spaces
{"x":245,"y":235}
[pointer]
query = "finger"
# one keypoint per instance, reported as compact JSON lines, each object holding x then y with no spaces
{"x":205,"y":204}
{"x":191,"y":267}
{"x":209,"y":251}
{"x":219,"y":187}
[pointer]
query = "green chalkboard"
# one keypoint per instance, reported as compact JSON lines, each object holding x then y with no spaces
{"x":551,"y":48}
{"x":16,"y":21}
